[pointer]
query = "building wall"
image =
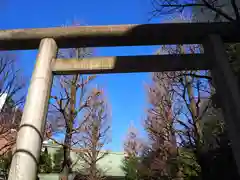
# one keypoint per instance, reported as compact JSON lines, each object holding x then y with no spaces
{"x":53,"y":176}
{"x":110,"y":164}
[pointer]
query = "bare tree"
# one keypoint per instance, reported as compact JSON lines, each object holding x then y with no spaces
{"x":11,"y":100}
{"x":217,"y":9}
{"x":70,"y":98}
{"x":95,"y":136}
{"x":68,"y":113}
{"x":162,"y":151}
{"x":133,"y":145}
{"x":190,"y":89}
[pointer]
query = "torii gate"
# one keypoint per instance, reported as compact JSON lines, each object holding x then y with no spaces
{"x":212,"y":36}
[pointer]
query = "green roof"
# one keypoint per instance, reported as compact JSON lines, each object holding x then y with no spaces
{"x":110,"y":164}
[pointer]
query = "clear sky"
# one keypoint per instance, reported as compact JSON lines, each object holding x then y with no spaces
{"x":125,"y":92}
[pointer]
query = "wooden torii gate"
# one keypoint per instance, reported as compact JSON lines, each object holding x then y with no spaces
{"x":212,"y":36}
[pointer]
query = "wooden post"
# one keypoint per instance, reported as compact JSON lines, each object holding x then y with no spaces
{"x":227,"y":91}
{"x":29,"y":138}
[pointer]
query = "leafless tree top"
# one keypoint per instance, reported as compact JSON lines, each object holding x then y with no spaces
{"x":218,"y":9}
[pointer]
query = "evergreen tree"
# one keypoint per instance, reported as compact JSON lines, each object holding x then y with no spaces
{"x":45,"y":163}
{"x":133,"y":146}
{"x":5,"y":162}
{"x":95,"y":135}
{"x":130,"y":168}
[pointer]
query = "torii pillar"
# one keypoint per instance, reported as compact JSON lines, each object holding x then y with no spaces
{"x":29,"y":139}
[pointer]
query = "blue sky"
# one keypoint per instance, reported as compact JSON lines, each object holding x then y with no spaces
{"x":125,"y":92}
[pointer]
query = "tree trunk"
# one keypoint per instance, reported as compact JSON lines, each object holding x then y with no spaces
{"x":66,"y":166}
{"x":197,"y":129}
{"x":93,"y":166}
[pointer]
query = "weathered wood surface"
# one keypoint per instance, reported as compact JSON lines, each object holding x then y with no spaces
{"x":118,"y":35}
{"x":227,"y":90}
{"x":25,"y":159}
{"x":128,"y":64}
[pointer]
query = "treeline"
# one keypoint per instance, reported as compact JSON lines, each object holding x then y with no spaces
{"x":186,"y":134}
